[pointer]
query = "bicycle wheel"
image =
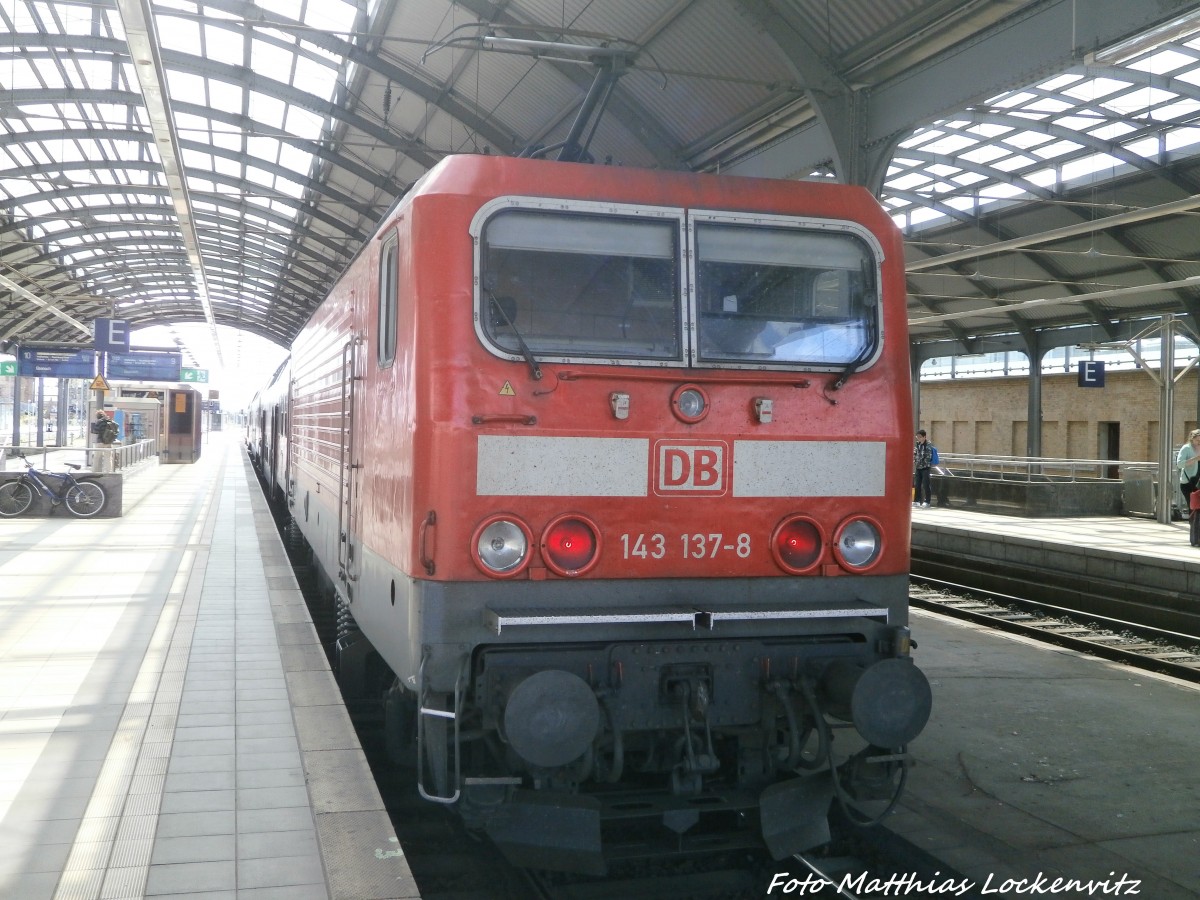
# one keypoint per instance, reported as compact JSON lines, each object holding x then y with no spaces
{"x":85,"y":498}
{"x":15,"y":498}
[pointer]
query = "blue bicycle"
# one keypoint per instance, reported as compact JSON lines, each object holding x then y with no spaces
{"x":82,"y":497}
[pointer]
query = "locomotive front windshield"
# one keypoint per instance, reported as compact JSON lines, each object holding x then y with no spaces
{"x":781,"y":295}
{"x":568,"y":284}
{"x":580,"y":285}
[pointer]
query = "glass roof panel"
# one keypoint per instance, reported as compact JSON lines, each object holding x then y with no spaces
{"x":1011,"y":163}
{"x":1164,"y":62}
{"x":186,"y":86}
{"x":1181,"y":109}
{"x":1060,"y":82}
{"x":950,"y":144}
{"x":1097,"y":162}
{"x":1094,"y":88}
{"x":1042,"y":177}
{"x":266,"y":110}
{"x":183,"y":34}
{"x":983,"y":153}
{"x":1177,"y":138}
{"x":1108,"y":107}
{"x":1057,"y":149}
{"x":1110,"y":131}
{"x":303,"y":123}
{"x":225,"y":96}
{"x":271,"y":60}
{"x":1146,"y":147}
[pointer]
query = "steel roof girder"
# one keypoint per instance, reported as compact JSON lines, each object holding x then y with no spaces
{"x":837,"y":108}
{"x":626,"y":109}
{"x":1044,"y":39}
{"x":344,"y":49}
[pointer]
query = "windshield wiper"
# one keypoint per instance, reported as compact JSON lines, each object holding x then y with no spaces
{"x":534,"y":369}
{"x":868,"y":301}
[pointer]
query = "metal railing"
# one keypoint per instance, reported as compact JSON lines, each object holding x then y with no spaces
{"x":1040,"y":468}
{"x":124,"y":458}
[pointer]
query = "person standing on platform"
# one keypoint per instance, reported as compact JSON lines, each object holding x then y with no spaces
{"x":922,"y":463}
{"x":1188,"y":462}
{"x":106,"y":431}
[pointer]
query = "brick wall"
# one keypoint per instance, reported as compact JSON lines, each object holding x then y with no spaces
{"x":988,"y":416}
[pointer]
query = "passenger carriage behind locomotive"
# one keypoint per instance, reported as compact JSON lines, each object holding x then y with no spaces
{"x":612,"y":469}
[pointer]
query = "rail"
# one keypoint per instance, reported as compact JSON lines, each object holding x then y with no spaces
{"x":1040,"y":468}
{"x":127,"y":459}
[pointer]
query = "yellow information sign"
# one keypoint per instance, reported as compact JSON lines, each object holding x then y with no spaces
{"x":99,"y":384}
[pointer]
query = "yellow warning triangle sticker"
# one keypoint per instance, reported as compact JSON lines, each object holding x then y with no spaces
{"x":99,"y":384}
{"x":507,"y":390}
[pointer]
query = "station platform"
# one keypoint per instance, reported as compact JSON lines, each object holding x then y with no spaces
{"x":1041,"y":763}
{"x":169,"y":725}
{"x":1123,"y":550}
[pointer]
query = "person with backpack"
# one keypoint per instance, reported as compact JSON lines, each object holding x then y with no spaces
{"x":106,"y":431}
{"x":924,"y":459}
{"x":1188,"y":463}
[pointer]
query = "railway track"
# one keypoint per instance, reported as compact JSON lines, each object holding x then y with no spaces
{"x":1122,"y":600}
{"x":1135,"y":643}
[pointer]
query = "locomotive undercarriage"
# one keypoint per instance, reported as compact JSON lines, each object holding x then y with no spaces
{"x":572,"y":755}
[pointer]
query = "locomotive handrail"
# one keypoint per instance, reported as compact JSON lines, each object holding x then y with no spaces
{"x":346,"y":449}
{"x":675,"y":374}
{"x":424,"y":710}
{"x":427,"y":524}
{"x":503,"y":418}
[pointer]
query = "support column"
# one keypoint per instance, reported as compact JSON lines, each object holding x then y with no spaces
{"x":60,"y":421}
{"x":1033,"y":431}
{"x":40,"y":415}
{"x":914,"y":366}
{"x":16,"y":418}
{"x":1168,"y":474}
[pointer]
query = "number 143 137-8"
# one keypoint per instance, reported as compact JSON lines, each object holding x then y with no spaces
{"x":691,"y":546}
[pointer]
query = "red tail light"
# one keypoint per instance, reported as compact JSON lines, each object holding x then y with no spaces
{"x":797,"y":544}
{"x":570,"y":545}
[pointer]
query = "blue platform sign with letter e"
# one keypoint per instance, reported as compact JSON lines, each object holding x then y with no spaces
{"x":145,"y":365}
{"x":56,"y":362}
{"x":1091,"y":373}
{"x":111,"y":335}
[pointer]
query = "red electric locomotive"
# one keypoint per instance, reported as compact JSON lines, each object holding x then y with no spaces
{"x":612,"y":468}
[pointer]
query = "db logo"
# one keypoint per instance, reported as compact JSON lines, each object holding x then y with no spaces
{"x":689,"y":468}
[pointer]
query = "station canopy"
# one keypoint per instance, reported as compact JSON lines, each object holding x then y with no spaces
{"x":166,"y":161}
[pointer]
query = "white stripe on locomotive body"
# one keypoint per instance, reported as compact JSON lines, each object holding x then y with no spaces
{"x":512,"y":466}
{"x":808,"y":468}
{"x":561,"y":466}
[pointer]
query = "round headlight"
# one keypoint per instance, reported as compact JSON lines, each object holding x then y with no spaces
{"x":689,"y":403}
{"x":500,"y":546}
{"x":858,"y":543}
{"x":570,"y":545}
{"x":797,"y":544}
